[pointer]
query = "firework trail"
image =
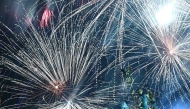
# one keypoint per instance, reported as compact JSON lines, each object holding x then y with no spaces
{"x":58,"y":67}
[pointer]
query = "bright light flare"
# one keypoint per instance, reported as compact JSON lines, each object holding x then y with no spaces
{"x":165,"y":15}
{"x":56,"y":87}
{"x":171,"y":52}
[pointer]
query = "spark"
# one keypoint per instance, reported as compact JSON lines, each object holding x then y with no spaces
{"x":171,"y":52}
{"x":56,"y":87}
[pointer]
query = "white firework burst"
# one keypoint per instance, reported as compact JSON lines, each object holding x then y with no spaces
{"x":160,"y":40}
{"x":60,"y":66}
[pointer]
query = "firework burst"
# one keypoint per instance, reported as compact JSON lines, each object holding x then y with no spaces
{"x":161,"y":43}
{"x":61,"y":63}
{"x":60,"y":67}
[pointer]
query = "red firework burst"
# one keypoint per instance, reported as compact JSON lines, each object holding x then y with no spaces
{"x":46,"y":16}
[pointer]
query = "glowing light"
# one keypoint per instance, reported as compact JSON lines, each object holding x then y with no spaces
{"x":56,"y":87}
{"x":164,"y":16}
{"x":46,"y":16}
{"x":171,"y":52}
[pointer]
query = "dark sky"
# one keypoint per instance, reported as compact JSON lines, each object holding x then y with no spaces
{"x":11,"y":11}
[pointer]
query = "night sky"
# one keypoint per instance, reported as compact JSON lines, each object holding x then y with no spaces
{"x":12,"y":12}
